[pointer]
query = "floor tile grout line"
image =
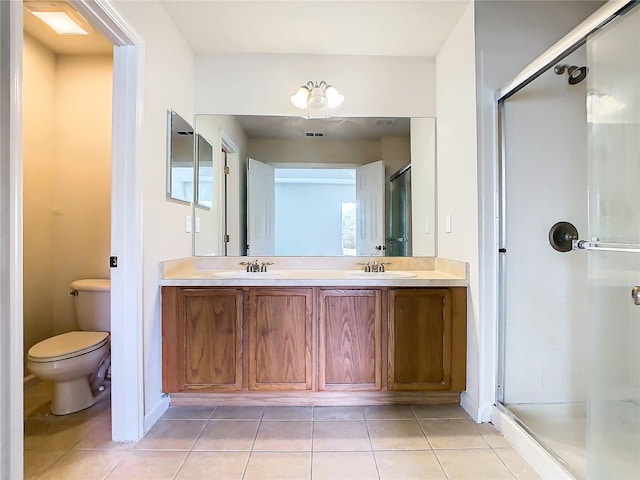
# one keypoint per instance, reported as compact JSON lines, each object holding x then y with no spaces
{"x":184,"y":460}
{"x":504,"y":463}
{"x":446,"y":474}
{"x":423,"y":431}
{"x":433,"y":451}
{"x":246,"y":465}
{"x":373,"y":453}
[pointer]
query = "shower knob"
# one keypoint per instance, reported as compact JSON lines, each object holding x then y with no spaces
{"x":562,"y":235}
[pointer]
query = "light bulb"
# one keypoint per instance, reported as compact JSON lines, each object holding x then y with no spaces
{"x":334,"y":98}
{"x":317,"y":99}
{"x":301,"y":98}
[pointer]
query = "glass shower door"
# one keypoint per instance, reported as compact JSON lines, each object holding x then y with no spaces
{"x":399,"y":239}
{"x":613,"y":111}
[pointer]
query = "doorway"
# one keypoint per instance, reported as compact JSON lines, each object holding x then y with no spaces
{"x":67,"y":109}
{"x":127,"y":407}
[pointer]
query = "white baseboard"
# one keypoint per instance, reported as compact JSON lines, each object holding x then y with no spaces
{"x":156,"y":412}
{"x":540,"y":460}
{"x":470,"y":406}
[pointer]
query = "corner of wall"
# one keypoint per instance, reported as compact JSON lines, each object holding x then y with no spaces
{"x":154,"y":413}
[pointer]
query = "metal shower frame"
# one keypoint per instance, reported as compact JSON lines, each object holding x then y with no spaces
{"x":575,"y":39}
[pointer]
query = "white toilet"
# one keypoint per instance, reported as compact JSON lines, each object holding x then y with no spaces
{"x":77,"y":362}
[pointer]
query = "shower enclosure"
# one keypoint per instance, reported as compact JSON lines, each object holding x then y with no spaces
{"x":399,"y":228}
{"x":569,"y":366}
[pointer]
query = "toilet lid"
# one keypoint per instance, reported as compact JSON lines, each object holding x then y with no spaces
{"x":67,"y":345}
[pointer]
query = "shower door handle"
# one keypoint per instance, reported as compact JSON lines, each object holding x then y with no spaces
{"x":635,"y":294}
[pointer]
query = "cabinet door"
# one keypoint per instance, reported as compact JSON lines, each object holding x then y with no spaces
{"x":420,"y":339}
{"x":350,"y":340}
{"x":205,"y":348}
{"x":280,"y":339}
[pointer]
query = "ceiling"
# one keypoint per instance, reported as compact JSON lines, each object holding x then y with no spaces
{"x":329,"y":27}
{"x":334,"y":128}
{"x":93,"y":43}
{"x":332,"y":27}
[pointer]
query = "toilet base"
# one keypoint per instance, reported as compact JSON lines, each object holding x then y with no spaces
{"x":72,"y":396}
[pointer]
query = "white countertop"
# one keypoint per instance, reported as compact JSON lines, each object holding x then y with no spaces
{"x":312,"y":278}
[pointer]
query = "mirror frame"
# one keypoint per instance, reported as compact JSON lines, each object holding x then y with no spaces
{"x":174,"y":129}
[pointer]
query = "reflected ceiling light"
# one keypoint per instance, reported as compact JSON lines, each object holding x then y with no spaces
{"x":317,"y":95}
{"x":59,"y":16}
{"x":603,"y":108}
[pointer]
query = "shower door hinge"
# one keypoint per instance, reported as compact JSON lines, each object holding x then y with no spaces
{"x":226,"y":239}
{"x":113,"y":262}
{"x":226,"y":170}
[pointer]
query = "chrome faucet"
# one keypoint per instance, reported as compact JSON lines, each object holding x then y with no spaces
{"x":252,"y":266}
{"x":376,"y":266}
{"x":255,"y":266}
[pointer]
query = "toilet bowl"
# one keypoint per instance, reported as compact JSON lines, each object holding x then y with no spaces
{"x":71,"y":361}
{"x":77,"y":362}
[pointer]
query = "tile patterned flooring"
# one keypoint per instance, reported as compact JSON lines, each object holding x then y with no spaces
{"x":337,"y":443}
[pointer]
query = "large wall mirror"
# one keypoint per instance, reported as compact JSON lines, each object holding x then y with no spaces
{"x":180,"y":158}
{"x":300,"y":186}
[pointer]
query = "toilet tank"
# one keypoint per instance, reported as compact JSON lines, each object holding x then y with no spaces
{"x":92,"y":304}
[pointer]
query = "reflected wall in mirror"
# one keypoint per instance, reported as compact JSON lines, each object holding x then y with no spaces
{"x":311,"y":168}
{"x":180,"y":158}
{"x":204,"y":169}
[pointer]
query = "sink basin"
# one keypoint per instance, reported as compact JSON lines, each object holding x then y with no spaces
{"x":245,"y":274}
{"x":394,"y":274}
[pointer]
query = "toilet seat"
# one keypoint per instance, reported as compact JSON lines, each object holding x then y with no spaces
{"x":67,"y":345}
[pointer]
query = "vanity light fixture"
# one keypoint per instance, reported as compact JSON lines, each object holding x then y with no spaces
{"x":59,"y":16}
{"x":317,"y":95}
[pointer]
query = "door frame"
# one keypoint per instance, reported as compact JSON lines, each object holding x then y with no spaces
{"x":11,"y":300}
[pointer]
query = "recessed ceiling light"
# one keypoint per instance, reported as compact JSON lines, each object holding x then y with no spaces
{"x":59,"y":16}
{"x":61,"y":23}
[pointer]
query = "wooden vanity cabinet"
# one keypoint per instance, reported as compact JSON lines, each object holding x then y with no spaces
{"x":384,"y":344}
{"x":280,"y":347}
{"x":350,"y":339}
{"x":427,"y":339}
{"x":202,"y":344}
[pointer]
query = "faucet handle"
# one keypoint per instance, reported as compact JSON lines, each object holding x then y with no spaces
{"x":366,"y":265}
{"x":264,"y":265}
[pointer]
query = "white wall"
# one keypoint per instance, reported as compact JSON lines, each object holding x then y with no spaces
{"x":38,"y":90}
{"x":395,"y":152}
{"x":207,"y":242}
{"x":167,"y":84}
{"x":262,"y":84}
{"x":81,"y":202}
{"x":67,"y":188}
{"x":314,"y":150}
{"x":423,"y":186}
{"x":456,"y":178}
{"x":546,"y":313}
